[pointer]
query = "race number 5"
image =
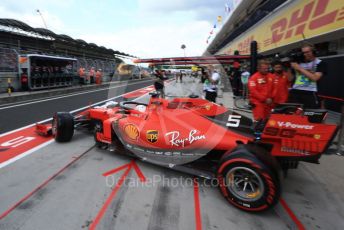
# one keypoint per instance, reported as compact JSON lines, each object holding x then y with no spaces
{"x":17,"y":141}
{"x":233,"y":121}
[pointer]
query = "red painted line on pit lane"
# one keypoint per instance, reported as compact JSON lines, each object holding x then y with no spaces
{"x":138,"y":172}
{"x":292,"y":215}
{"x":139,"y":92}
{"x":8,"y":211}
{"x":116,"y":169}
{"x":198,"y":219}
{"x":129,"y":166}
{"x":111,"y":197}
{"x":16,"y":143}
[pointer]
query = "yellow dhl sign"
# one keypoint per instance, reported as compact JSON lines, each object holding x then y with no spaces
{"x":299,"y":20}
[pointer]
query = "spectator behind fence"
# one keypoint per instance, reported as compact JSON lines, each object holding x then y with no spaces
{"x":282,"y":80}
{"x":260,"y":86}
{"x":307,"y":78}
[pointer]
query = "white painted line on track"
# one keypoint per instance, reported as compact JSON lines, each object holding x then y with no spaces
{"x":70,"y":95}
{"x":20,"y":156}
{"x":49,"y":119}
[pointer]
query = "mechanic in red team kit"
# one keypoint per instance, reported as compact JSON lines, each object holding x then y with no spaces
{"x":282,"y":80}
{"x":260,"y":87}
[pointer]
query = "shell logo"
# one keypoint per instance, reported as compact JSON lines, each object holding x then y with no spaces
{"x":208,"y":107}
{"x":131,"y":131}
{"x":317,"y":136}
{"x":272,"y":122}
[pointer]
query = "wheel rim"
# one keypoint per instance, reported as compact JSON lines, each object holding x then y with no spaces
{"x":245,"y":184}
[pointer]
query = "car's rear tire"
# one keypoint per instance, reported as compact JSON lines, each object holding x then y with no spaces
{"x":63,"y":126}
{"x":247,"y":183}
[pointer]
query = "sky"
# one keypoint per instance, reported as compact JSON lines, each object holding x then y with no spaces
{"x":143,"y":28}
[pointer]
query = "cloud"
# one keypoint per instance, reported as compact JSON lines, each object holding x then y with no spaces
{"x":201,"y":9}
{"x":155,"y":40}
{"x":31,"y":5}
{"x":151,"y":28}
{"x":33,"y":19}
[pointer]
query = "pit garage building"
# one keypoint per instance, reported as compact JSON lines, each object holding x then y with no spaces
{"x":18,"y":39}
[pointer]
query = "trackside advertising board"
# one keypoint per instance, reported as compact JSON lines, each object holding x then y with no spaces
{"x":290,"y":24}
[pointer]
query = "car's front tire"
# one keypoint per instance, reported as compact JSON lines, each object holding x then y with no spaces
{"x":63,"y":126}
{"x":247,"y":183}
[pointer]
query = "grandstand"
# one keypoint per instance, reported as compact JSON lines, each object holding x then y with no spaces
{"x":18,"y":38}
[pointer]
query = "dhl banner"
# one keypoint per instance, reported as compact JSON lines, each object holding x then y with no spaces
{"x":296,"y":21}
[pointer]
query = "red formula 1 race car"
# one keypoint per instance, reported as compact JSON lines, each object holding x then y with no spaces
{"x":203,"y":138}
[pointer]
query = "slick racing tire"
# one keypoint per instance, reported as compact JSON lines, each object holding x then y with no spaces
{"x":63,"y":126}
{"x":247,"y":183}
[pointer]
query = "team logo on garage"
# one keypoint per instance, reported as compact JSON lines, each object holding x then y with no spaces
{"x":152,"y":135}
{"x":131,"y":131}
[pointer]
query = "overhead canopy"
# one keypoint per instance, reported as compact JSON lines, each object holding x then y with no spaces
{"x":15,"y":23}
{"x":46,"y":32}
{"x":197,"y":60}
{"x":50,"y":35}
{"x":65,"y":37}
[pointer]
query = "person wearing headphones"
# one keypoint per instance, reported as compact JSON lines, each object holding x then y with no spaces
{"x":307,"y":75}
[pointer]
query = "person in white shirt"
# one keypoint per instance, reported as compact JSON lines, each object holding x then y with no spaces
{"x":210,"y":85}
{"x":307,"y":79}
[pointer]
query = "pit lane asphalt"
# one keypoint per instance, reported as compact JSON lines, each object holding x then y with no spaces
{"x":25,"y":114}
